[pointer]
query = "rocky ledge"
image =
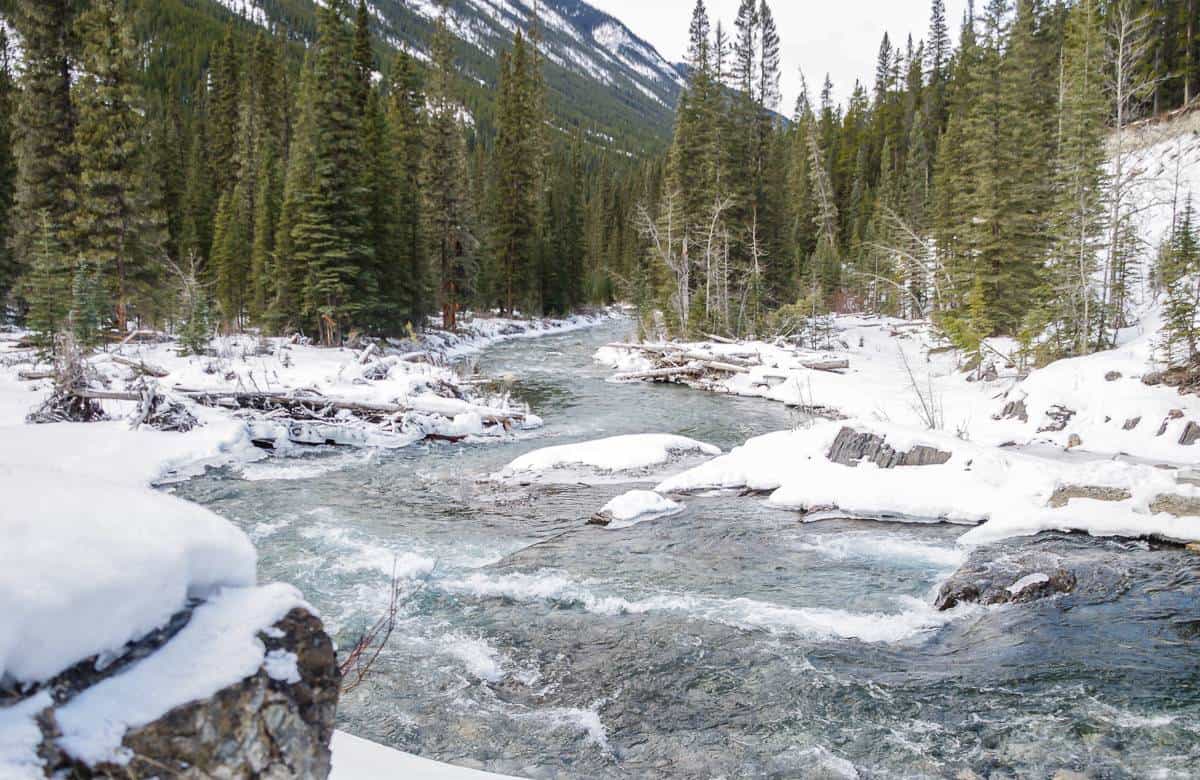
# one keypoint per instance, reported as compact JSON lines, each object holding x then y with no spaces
{"x":276,"y":723}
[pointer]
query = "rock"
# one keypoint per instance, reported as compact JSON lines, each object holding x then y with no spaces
{"x":850,"y":447}
{"x":260,"y":727}
{"x":1112,"y":376}
{"x":1073,"y":441}
{"x":1131,"y":423}
{"x":1179,"y":506}
{"x":1058,"y":417}
{"x":1153,"y":378}
{"x":1097,"y":493}
{"x":1013,"y":410}
{"x":1019,"y":579}
{"x":1193,"y":547}
{"x":1191,"y":434}
{"x":1172,"y":415}
{"x":599,"y":518}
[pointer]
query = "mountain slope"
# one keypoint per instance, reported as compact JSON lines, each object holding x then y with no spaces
{"x":602,"y":77}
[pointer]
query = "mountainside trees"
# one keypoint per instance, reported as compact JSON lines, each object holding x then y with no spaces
{"x":970,"y":183}
{"x":335,"y":189}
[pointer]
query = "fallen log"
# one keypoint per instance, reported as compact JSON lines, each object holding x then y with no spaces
{"x":31,"y":376}
{"x":145,"y":368}
{"x":827,"y":365}
{"x":659,"y":373}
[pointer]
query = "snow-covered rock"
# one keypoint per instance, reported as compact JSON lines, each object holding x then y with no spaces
{"x":634,"y":506}
{"x":615,"y":454}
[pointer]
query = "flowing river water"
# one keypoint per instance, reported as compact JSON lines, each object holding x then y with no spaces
{"x":727,"y":641}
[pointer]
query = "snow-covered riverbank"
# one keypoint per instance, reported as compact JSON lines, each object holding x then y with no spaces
{"x":95,"y":558}
{"x":1102,"y":422}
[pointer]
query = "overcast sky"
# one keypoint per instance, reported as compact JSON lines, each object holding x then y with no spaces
{"x":840,"y":37}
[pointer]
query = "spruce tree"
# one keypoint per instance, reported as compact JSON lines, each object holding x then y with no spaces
{"x":331,"y":233}
{"x":451,"y":244}
{"x":8,"y":266}
{"x":405,"y":121}
{"x":1079,"y":214}
{"x":43,"y":129}
{"x":1179,"y":275}
{"x":114,"y":230}
{"x":47,"y":286}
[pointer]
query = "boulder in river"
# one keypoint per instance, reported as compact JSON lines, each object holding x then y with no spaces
{"x":1008,"y":579}
{"x":850,"y":447}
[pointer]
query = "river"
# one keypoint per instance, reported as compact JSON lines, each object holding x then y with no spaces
{"x":728,"y":641}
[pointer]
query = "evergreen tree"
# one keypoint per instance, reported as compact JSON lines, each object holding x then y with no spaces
{"x":47,"y":286}
{"x":43,"y":130}
{"x":451,"y":244}
{"x":8,"y":266}
{"x":115,"y":230}
{"x":1179,"y":274}
{"x":331,"y":233}
{"x":1080,"y":180}
{"x":517,"y":188}
{"x":405,"y":120}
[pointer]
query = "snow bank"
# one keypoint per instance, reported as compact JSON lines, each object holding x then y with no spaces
{"x":617,"y":453}
{"x":88,"y":565}
{"x":1005,"y":490}
{"x":628,"y":508}
{"x":357,"y":759}
{"x":218,"y":648}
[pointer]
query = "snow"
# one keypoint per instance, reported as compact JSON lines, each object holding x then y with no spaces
{"x":629,"y":508}
{"x":1028,"y":581}
{"x":357,"y":759}
{"x":85,"y":569}
{"x":216,"y":649}
{"x":1004,"y":491}
{"x":20,"y":737}
{"x":617,"y":453}
{"x":281,"y":665}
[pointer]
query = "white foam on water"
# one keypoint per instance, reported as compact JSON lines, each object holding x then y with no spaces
{"x":356,"y":555}
{"x":744,"y":613}
{"x":887,"y":548}
{"x":573,"y":718}
{"x":291,"y":469}
{"x":481,"y":659}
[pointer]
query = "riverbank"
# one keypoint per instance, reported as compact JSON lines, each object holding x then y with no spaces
{"x":1105,"y":424}
{"x":95,"y":558}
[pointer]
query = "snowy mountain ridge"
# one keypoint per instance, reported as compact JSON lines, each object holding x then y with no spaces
{"x":578,"y":38}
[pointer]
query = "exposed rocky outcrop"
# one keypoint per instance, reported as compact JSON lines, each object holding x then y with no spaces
{"x":850,"y":447}
{"x":1094,"y":492}
{"x":262,"y":727}
{"x":1191,"y":434}
{"x":1180,"y":506}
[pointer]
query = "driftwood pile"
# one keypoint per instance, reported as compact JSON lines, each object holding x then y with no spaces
{"x":697,"y":368}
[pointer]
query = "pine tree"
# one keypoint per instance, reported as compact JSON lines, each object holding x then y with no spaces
{"x":43,"y":129}
{"x":1079,"y":214}
{"x":451,"y":244}
{"x":331,"y":233}
{"x":405,"y":116}
{"x":89,"y":303}
{"x":115,"y":231}
{"x":47,"y":286}
{"x":287,"y":308}
{"x":8,"y":266}
{"x":1179,"y":274}
{"x":517,"y":193}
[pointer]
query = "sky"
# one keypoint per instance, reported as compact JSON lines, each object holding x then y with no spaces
{"x":840,"y":37}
